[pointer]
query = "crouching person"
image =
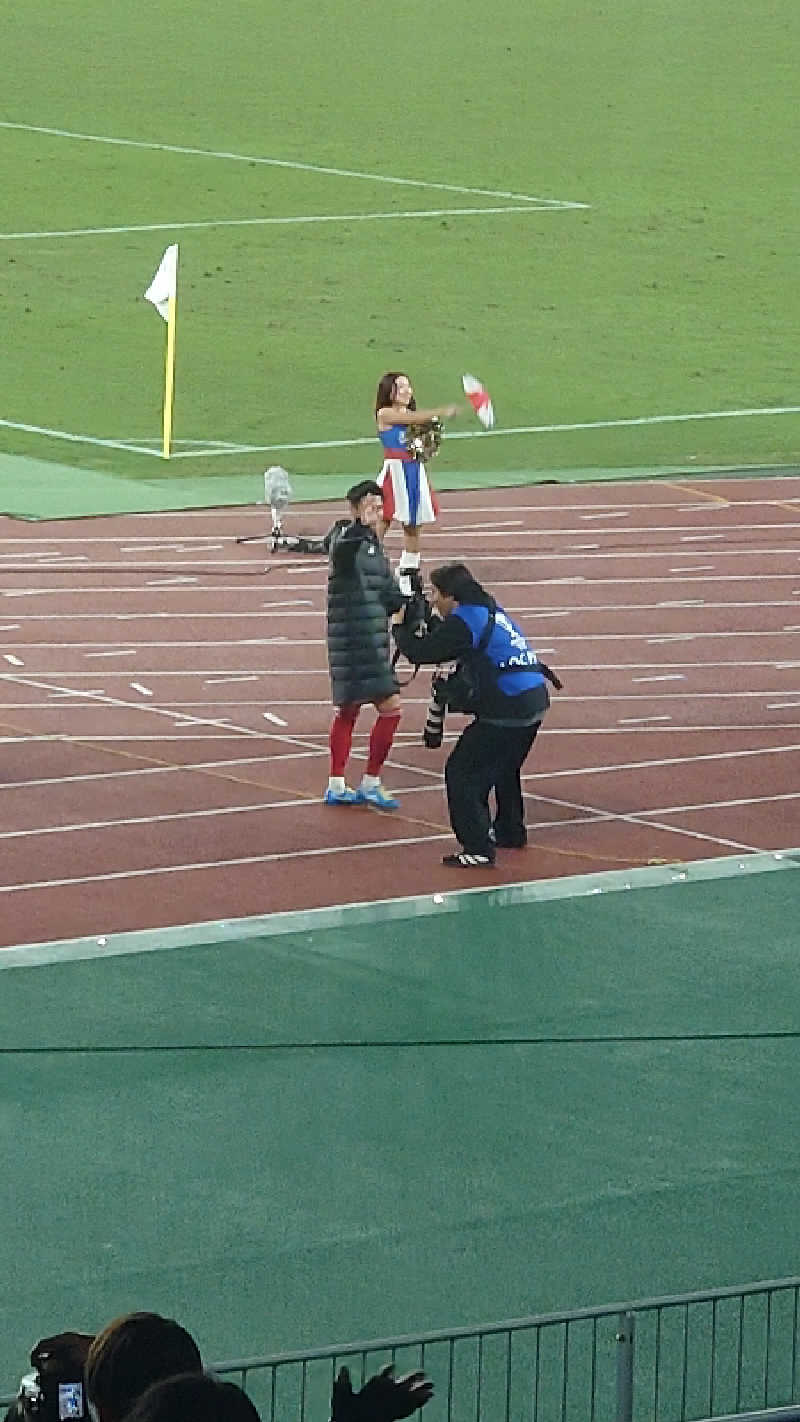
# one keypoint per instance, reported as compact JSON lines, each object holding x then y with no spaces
{"x":499,"y":682}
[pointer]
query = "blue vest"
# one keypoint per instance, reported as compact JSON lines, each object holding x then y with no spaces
{"x":515,"y":663}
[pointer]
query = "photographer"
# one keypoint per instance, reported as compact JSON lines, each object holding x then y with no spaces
{"x":54,"y":1390}
{"x":501,"y":683}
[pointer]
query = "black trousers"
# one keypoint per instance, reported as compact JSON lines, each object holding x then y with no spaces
{"x":485,"y":758}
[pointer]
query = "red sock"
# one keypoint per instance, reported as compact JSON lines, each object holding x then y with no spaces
{"x":341,"y":736}
{"x":380,"y":741}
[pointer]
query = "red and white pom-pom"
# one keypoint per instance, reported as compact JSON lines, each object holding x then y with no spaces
{"x":479,"y":399}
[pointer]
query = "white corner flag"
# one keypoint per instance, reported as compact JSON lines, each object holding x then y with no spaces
{"x":163,"y":294}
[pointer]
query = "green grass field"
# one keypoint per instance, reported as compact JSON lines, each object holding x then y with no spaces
{"x":674,"y":290}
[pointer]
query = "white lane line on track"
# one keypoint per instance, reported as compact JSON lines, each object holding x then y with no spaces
{"x":666,"y":676}
{"x":117,"y":652}
{"x":12,"y":660}
{"x":276,"y":720}
{"x":309,"y":753}
{"x":235,"y":677}
{"x":228,"y":732}
{"x":608,"y":513}
{"x":117,"y":702}
{"x":253,"y":859}
{"x":143,"y":690}
{"x":168,"y":582}
{"x":637,"y":818}
{"x":306,"y":802}
{"x":640,"y":720}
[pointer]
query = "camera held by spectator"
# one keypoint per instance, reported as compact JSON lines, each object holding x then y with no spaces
{"x":54,"y":1391}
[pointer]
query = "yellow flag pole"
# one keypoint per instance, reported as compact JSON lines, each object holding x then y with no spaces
{"x":169,"y":375}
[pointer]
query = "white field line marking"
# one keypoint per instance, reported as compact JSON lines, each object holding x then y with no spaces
{"x":14,"y":661}
{"x":282,"y":163}
{"x":276,"y":720}
{"x":744,"y":413}
{"x":76,"y":438}
{"x":520,"y":430}
{"x":293,"y":220}
{"x":143,"y":690}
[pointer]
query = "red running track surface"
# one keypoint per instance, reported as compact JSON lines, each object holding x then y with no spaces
{"x":165,"y":704}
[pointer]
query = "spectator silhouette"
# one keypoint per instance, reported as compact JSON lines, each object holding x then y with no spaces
{"x":194,"y":1397}
{"x":131,"y":1354}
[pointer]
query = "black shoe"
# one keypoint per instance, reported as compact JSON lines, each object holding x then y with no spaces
{"x":468,"y":861}
{"x":508,"y":841}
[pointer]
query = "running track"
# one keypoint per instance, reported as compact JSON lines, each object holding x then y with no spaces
{"x":164,"y":709}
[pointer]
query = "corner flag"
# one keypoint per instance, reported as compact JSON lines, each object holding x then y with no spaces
{"x":163,"y":294}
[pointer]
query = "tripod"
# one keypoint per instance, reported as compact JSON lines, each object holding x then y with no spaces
{"x":277,"y":493}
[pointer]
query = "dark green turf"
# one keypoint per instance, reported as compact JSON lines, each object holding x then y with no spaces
{"x":309,"y":1193}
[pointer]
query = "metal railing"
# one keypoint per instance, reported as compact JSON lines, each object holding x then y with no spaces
{"x":713,"y":1354}
{"x":684,"y":1356}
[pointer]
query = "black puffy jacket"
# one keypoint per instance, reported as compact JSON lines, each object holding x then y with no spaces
{"x":362,"y":593}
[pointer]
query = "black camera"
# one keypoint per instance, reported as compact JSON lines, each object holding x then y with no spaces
{"x":417,"y":613}
{"x":54,"y":1390}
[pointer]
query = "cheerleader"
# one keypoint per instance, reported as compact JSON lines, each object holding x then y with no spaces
{"x":407,"y":495}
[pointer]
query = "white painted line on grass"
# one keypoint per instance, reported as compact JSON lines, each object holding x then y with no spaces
{"x":452,"y":435}
{"x":282,"y":163}
{"x":292,"y":220}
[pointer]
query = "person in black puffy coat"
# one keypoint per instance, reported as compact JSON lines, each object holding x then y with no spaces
{"x":362,"y":594}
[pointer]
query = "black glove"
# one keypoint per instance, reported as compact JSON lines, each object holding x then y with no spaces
{"x":383,"y":1398}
